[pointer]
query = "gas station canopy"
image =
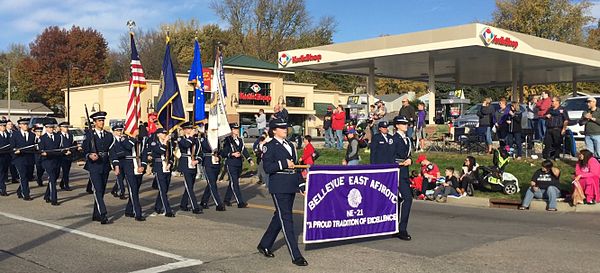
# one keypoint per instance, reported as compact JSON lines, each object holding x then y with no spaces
{"x":472,"y":54}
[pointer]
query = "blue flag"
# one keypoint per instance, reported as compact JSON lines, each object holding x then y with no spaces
{"x":196,"y":79}
{"x":222,"y":75}
{"x":170,"y":108}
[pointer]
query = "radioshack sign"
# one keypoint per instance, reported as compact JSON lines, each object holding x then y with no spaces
{"x":286,"y":59}
{"x":489,"y":37}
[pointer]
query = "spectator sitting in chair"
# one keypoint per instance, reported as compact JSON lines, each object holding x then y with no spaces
{"x":430,"y":173}
{"x":448,"y":187}
{"x":544,"y":184}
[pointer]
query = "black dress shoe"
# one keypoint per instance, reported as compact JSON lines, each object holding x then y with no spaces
{"x":128,"y":214}
{"x":197,"y":211}
{"x":104,"y":221}
{"x":89,"y":192}
{"x":47,"y":200}
{"x":184,"y":208}
{"x":68,"y":189}
{"x":54,"y":203}
{"x":41,"y":184}
{"x":96,"y":218}
{"x":170,"y":214}
{"x":404,"y":236}
{"x":3,"y":193}
{"x":140,"y":218}
{"x":227,"y":203}
{"x":265,"y":252}
{"x":159,"y":211}
{"x":242,"y":205}
{"x":27,"y":198}
{"x":122,"y":197}
{"x":114,"y":193}
{"x":204,"y":205}
{"x":19,"y":195}
{"x":300,"y":261}
{"x":221,"y":208}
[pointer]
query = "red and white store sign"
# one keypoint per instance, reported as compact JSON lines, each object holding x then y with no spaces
{"x":285,"y":59}
{"x":489,"y":37}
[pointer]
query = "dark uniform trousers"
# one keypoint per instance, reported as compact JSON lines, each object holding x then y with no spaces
{"x":119,"y":186}
{"x":402,"y":151}
{"x":211,"y":189}
{"x":406,"y":203}
{"x":4,"y":167}
{"x":189,"y":177}
{"x":283,"y":184}
{"x":24,"y":161}
{"x":99,"y":178}
{"x":51,"y":167}
{"x":39,"y":170}
{"x":134,"y":181}
{"x":162,"y":200}
{"x":234,"y":173}
{"x":65,"y":162}
{"x":99,"y":169}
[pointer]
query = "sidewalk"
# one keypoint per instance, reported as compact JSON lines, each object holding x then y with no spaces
{"x":536,"y":205}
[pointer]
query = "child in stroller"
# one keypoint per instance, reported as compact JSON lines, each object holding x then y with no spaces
{"x":495,"y":178}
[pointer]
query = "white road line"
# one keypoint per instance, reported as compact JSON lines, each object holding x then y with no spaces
{"x":182,"y":261}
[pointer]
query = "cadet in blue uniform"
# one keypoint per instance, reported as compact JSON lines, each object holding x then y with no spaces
{"x":68,"y":143}
{"x":162,"y":156}
{"x":279,"y":157}
{"x":212,"y":164}
{"x":402,"y":150}
{"x":235,"y":152}
{"x":22,"y":142}
{"x":189,"y":148}
{"x":51,"y":155}
{"x":133,"y":165}
{"x":382,"y":146}
{"x":39,"y":169}
{"x":118,"y":189}
{"x":14,"y":175}
{"x":96,"y":148}
{"x":5,"y":159}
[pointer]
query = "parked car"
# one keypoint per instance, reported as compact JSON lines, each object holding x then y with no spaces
{"x":470,"y":119}
{"x":41,"y":121}
{"x":575,"y":107}
{"x":78,"y":135}
{"x":250,"y":131}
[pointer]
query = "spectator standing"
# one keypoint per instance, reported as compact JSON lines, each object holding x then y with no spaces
{"x":532,"y":117}
{"x":420,"y":126}
{"x":486,"y":120}
{"x":587,"y":173}
{"x":327,"y":120}
{"x":502,"y":116}
{"x":337,"y":124}
{"x":556,"y":123}
{"x":307,"y":154}
{"x":514,"y":129}
{"x":544,"y":184}
{"x":591,"y":121}
{"x":261,"y":121}
{"x":543,"y":105}
{"x":352,"y":152}
{"x":409,"y":112}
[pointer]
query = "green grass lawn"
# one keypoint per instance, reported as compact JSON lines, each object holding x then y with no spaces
{"x":522,"y":169}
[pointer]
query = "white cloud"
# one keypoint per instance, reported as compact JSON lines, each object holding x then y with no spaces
{"x":23,"y":20}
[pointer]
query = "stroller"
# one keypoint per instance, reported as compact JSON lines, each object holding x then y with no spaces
{"x":494,"y":177}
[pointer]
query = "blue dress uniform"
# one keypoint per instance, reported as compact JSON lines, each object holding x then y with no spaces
{"x":39,"y":168}
{"x":100,"y":168}
{"x":211,"y":170}
{"x":133,"y":159}
{"x":189,"y":148}
{"x":382,"y":147}
{"x":233,"y":165}
{"x":162,"y":155}
{"x":51,"y":156}
{"x":283,"y":185}
{"x":118,"y":189}
{"x":5,"y":158}
{"x":67,"y":142}
{"x":402,"y":152}
{"x":23,"y":142}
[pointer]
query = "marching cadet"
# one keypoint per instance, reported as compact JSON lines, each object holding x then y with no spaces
{"x":162,"y":155}
{"x":279,"y":159}
{"x":235,"y":151}
{"x":11,"y":129}
{"x":67,"y":142}
{"x":189,"y":148}
{"x":118,"y":189}
{"x":5,"y":160}
{"x":23,"y":142}
{"x":212,"y":164}
{"x":382,"y":146}
{"x":403,"y":147}
{"x":96,"y":147}
{"x":133,"y":165}
{"x":39,"y":169}
{"x":50,"y":154}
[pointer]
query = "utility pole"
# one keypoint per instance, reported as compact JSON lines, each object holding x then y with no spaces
{"x":9,"y":91}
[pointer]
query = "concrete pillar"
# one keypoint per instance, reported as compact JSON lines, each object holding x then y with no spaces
{"x":371,"y":79}
{"x":574,"y":82}
{"x":515,"y":79}
{"x":431,"y":90}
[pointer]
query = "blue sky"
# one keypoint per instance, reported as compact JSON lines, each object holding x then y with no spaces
{"x":23,"y":20}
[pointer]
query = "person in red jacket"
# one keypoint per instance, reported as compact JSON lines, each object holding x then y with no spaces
{"x":337,"y":124}
{"x":307,"y":154}
{"x":543,"y":104}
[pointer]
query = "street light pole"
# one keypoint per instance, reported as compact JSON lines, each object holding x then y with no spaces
{"x":9,"y":91}
{"x":69,"y":93}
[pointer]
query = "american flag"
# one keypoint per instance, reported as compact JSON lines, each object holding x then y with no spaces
{"x":137,"y":84}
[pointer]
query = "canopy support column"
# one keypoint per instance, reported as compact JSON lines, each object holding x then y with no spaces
{"x":574,"y":82}
{"x":431,"y":90}
{"x":371,"y":79}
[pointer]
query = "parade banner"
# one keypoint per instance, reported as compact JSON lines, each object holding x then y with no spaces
{"x":348,"y":202}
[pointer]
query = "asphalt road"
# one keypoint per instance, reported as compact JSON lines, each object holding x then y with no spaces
{"x":36,"y":237}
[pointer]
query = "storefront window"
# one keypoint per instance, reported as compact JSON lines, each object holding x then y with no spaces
{"x":254,"y":93}
{"x":294,"y":101}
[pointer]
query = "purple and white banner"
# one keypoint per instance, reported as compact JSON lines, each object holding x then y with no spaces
{"x":347,"y":202}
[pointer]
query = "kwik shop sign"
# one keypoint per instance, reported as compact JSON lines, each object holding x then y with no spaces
{"x":489,"y":37}
{"x":285,"y":59}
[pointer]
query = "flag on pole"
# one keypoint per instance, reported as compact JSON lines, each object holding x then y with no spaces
{"x":170,"y":108}
{"x":137,"y":84}
{"x":196,"y":79}
{"x":218,"y":126}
